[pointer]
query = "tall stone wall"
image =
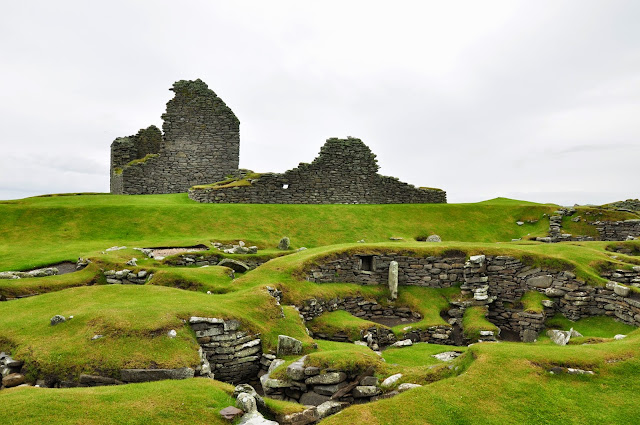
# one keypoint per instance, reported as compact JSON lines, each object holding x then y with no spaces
{"x":201,"y":144}
{"x":345,"y":172}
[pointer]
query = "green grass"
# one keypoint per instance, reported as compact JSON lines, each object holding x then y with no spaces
{"x":474,"y":321}
{"x":46,"y":230}
{"x":509,"y":383}
{"x":341,"y":321}
{"x":597,"y":326}
{"x":532,"y":302}
{"x":420,"y":354}
{"x":193,"y":401}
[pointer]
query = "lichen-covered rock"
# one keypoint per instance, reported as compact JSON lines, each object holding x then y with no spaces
{"x":13,"y":380}
{"x":288,"y":346}
{"x":391,"y":380}
{"x":326,"y":378}
{"x":57,"y":319}
{"x":284,"y":244}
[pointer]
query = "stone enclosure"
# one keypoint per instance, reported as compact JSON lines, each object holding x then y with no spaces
{"x":200,"y":143}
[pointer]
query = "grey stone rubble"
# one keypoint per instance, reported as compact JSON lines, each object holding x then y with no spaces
{"x":345,"y":172}
{"x":234,"y":356}
{"x":555,"y":228}
{"x":618,"y":230}
{"x":446,"y":356}
{"x":57,"y":319}
{"x":10,"y":371}
{"x":497,"y":282}
{"x":211,"y":259}
{"x":330,"y":390}
{"x":127,"y":277}
{"x":55,"y":270}
{"x":630,"y":205}
{"x":569,"y":370}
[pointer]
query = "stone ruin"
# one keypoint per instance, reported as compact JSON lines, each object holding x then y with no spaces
{"x":199,"y":145}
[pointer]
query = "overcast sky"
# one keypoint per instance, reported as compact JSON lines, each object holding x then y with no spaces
{"x":536,"y":100}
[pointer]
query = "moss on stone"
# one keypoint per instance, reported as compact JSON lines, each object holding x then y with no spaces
{"x":230,"y":182}
{"x":142,"y":160}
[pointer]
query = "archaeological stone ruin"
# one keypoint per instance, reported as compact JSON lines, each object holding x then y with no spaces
{"x":198,"y":151}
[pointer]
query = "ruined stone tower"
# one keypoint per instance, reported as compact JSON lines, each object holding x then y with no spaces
{"x":200,"y":144}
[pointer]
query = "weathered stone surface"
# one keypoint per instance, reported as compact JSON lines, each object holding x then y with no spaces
{"x":295,"y":370}
{"x":147,"y":375}
{"x":619,"y":337}
{"x":446,"y":356}
{"x":329,"y":389}
{"x":57,"y":319}
{"x":235,"y":265}
{"x":407,"y":386}
{"x":326,"y":378}
{"x":288,"y":346}
{"x":94,"y":380}
{"x":231,"y":412}
{"x":540,"y":281}
{"x":284,"y":244}
{"x":307,"y":416}
{"x":433,"y":238}
{"x":402,"y":343}
{"x":369,"y":380}
{"x":559,"y":337}
{"x":621,"y":290}
{"x":529,"y":335}
{"x":255,"y":418}
{"x":329,"y":408}
{"x":362,"y":391}
{"x":313,"y":399}
{"x":391,"y":380}
{"x":393,"y":279}
{"x":477,"y":259}
{"x":246,"y":402}
{"x":13,"y":380}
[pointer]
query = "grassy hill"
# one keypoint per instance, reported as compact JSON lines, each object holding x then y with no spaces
{"x":489,"y":383}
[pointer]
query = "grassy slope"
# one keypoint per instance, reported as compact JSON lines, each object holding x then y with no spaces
{"x":498,"y":386}
{"x":40,"y":231}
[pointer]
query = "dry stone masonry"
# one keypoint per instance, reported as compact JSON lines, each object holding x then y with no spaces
{"x":234,"y":355}
{"x":200,"y":145}
{"x":345,"y":172}
{"x":497,"y":282}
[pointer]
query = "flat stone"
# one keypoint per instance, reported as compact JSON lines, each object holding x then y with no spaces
{"x":407,"y":386}
{"x":434,"y":238}
{"x":621,"y":290}
{"x":329,"y":389}
{"x":477,"y":259}
{"x":235,"y":265}
{"x":619,"y":337}
{"x":369,"y":380}
{"x":540,"y":281}
{"x":231,"y":412}
{"x":147,"y":375}
{"x":529,"y":335}
{"x":446,"y":356}
{"x":362,"y":391}
{"x":313,"y":399}
{"x":307,"y":416}
{"x":326,"y":378}
{"x":559,"y":337}
{"x":330,"y":407}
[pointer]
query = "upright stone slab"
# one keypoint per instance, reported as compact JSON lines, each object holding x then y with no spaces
{"x":393,"y":279}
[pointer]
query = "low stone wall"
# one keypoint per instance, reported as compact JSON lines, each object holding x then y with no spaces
{"x":234,"y":356}
{"x":371,"y":310}
{"x":618,"y":230}
{"x":491,"y":281}
{"x":434,"y":272}
{"x":199,"y":260}
{"x":627,"y":277}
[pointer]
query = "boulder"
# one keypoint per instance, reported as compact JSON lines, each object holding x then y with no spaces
{"x":621,"y":290}
{"x":13,"y":380}
{"x":57,"y":319}
{"x":255,"y":418}
{"x":288,"y":346}
{"x":284,"y":244}
{"x":559,"y":337}
{"x":235,"y":265}
{"x":329,"y":389}
{"x":246,"y":402}
{"x":619,"y":337}
{"x":362,"y":391}
{"x":434,"y":238}
{"x":402,"y":343}
{"x":391,"y":380}
{"x":407,"y":386}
